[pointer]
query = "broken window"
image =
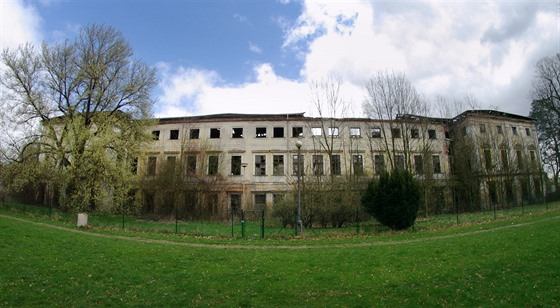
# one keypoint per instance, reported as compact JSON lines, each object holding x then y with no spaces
{"x":500,"y":130}
{"x":194,"y":133}
{"x":333,"y":131}
{"x":297,"y":163}
{"x":335,"y":165}
{"x":514,"y":130}
{"x":260,"y":164}
{"x":418,"y":164}
{"x":355,"y":132}
{"x":213,"y":164}
{"x":318,"y":164}
{"x":174,"y":134}
{"x":358,"y":164}
{"x":488,"y":159}
{"x":519,"y":159}
{"x":237,"y":133}
{"x":414,"y":133}
{"x":278,"y":132}
{"x":436,"y":164}
{"x":379,"y":161}
{"x":191,"y":164}
{"x":482,"y":128}
{"x":214,"y":133}
{"x":278,"y":165}
{"x":396,"y":132}
{"x":316,"y":131}
{"x":432,"y":134}
{"x":297,"y":131}
{"x":260,"y":201}
{"x":505,"y":160}
{"x":375,"y":132}
{"x":171,"y":160}
{"x":399,"y":162}
{"x":151,"y":170}
{"x":155,"y":133}
{"x":261,"y":132}
{"x":528,"y":131}
{"x":236,"y":165}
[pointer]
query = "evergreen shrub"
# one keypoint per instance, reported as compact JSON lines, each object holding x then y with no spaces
{"x":393,"y":199}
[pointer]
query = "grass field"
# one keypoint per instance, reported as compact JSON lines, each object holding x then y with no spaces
{"x":506,"y":262}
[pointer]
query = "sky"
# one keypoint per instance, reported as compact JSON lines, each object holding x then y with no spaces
{"x":260,"y":56}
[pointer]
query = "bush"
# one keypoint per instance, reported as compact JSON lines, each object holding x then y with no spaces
{"x":394,"y":199}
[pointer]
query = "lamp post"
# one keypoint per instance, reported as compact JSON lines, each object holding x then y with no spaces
{"x":298,"y":218}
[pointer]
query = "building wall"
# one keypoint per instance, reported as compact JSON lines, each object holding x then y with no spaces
{"x":256,"y":143}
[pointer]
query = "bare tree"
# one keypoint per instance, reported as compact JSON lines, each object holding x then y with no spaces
{"x":545,"y":109}
{"x":390,"y":95}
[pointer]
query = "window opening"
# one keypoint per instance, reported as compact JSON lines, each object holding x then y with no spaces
{"x":379,"y":161}
{"x":358,"y":164}
{"x":297,"y":131}
{"x":333,"y":131}
{"x":318,"y":164}
{"x":355,"y":132}
{"x":278,"y":132}
{"x":194,"y":133}
{"x":418,"y":164}
{"x":214,"y":133}
{"x":432,"y":134}
{"x":152,"y":160}
{"x":260,"y":165}
{"x":213,"y":165}
{"x":155,"y":133}
{"x":414,"y":133}
{"x":174,"y":134}
{"x":436,"y":164}
{"x":237,"y":133}
{"x":278,"y":165}
{"x":236,"y":165}
{"x":316,"y":131}
{"x":335,"y":165}
{"x":376,"y":132}
{"x":261,"y":132}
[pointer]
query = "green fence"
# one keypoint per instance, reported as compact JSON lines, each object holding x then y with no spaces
{"x":259,"y":224}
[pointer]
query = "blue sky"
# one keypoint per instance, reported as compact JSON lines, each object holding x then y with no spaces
{"x":260,"y":56}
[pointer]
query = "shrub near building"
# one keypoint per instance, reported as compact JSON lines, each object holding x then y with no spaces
{"x":393,"y":199}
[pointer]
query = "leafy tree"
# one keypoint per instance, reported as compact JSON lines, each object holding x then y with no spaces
{"x":545,"y":109}
{"x":393,"y":199}
{"x":82,"y":107}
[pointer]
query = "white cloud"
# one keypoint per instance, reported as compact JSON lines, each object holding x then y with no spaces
{"x":485,"y":49}
{"x":254,"y":48}
{"x":19,"y":23}
{"x":188,"y":92}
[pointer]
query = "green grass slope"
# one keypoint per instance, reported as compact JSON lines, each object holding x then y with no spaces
{"x":515,"y":264}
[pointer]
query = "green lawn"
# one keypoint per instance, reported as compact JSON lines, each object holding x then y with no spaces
{"x":502,"y":263}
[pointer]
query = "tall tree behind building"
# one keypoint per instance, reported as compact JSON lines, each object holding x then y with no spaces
{"x":82,"y":105}
{"x":545,"y":109}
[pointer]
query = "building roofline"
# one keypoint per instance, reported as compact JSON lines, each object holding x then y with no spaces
{"x":300,"y":116}
{"x":491,"y":113}
{"x":232,"y":116}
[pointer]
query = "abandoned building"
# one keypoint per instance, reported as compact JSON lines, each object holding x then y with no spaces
{"x":226,"y":162}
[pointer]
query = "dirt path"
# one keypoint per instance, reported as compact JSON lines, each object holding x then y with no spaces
{"x":263,"y":247}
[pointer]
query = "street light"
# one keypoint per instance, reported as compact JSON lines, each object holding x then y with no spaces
{"x":298,"y":218}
